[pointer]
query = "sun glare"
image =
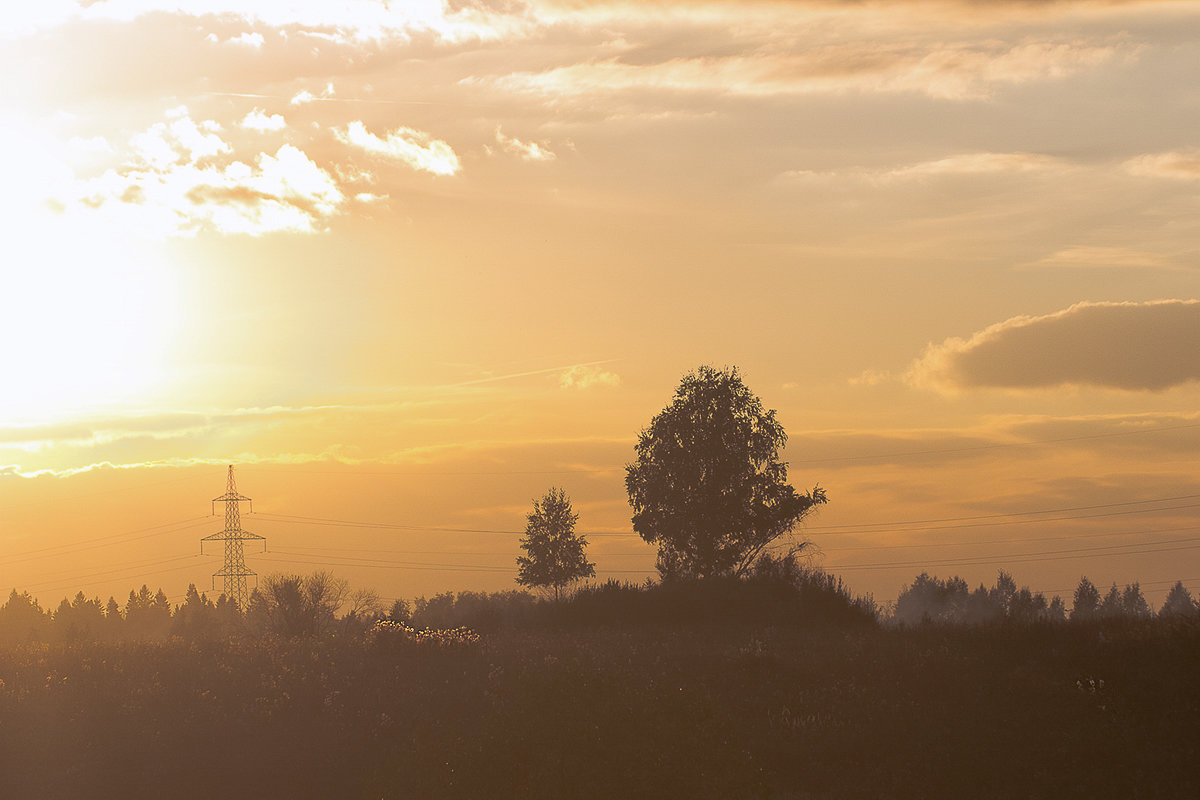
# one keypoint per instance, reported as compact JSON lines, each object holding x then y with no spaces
{"x":85,"y":315}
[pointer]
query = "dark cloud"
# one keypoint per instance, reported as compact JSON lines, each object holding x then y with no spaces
{"x":1148,"y":346}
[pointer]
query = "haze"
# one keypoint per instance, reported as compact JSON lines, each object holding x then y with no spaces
{"x":412,"y":264}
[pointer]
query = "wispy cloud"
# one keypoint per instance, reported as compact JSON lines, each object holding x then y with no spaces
{"x":586,"y":377}
{"x":526,"y":151}
{"x":966,"y":71}
{"x":956,"y":165}
{"x":1175,"y":164}
{"x":1094,"y":257}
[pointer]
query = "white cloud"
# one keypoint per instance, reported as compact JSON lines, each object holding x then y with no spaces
{"x":194,"y":138}
{"x":154,"y":149}
{"x":349,"y":20}
{"x":259,"y":120}
{"x":94,"y":144}
{"x":527,"y":151}
{"x":286,"y":191}
{"x":403,"y":145}
{"x":585,"y":376}
{"x":254,"y":40}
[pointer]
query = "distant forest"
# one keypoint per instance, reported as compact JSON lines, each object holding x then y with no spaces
{"x":322,"y":604}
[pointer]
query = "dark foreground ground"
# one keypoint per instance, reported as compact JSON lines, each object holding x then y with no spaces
{"x":721,"y":711}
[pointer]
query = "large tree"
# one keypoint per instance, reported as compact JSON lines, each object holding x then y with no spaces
{"x":708,"y":486}
{"x":556,"y":555}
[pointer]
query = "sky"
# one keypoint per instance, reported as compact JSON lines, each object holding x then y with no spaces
{"x":408,"y":265}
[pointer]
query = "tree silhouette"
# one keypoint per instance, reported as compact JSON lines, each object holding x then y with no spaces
{"x":1134,"y":602}
{"x":1113,"y":604}
{"x":708,"y":486}
{"x":556,"y":556}
{"x":1087,"y":600}
{"x":299,"y":606}
{"x":1179,"y":602}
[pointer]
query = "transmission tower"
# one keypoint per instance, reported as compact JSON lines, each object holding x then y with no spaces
{"x":235,"y":570}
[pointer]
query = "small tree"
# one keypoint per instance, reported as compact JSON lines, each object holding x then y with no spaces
{"x":1134,"y":602}
{"x":556,"y":555}
{"x":1087,"y":600}
{"x":1179,"y":602}
{"x":1113,"y":605}
{"x":708,"y":486}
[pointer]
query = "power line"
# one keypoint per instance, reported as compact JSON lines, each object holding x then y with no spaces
{"x":1011,"y":541}
{"x":1021,"y":558}
{"x":1008,"y":521}
{"x":422,"y":567}
{"x":346,"y":523}
{"x":823,"y":528}
{"x":75,"y":547}
{"x":438,"y":473}
{"x":43,"y":587}
{"x":994,"y":446}
{"x":442,"y":552}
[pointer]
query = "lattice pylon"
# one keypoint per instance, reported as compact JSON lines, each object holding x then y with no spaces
{"x":234,"y":572}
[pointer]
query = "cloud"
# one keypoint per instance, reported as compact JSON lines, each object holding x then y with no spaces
{"x":253,"y":40}
{"x":527,"y":151}
{"x":585,"y":376}
{"x":871,"y":377}
{"x":259,"y":120}
{"x":407,"y":146}
{"x":92,"y":144}
{"x":976,"y":164}
{"x":1091,"y":257}
{"x":965,"y":71}
{"x":1149,"y":346}
{"x":351,"y":20}
{"x":1177,"y":164}
{"x":170,"y":194}
{"x":181,"y":139}
{"x":957,"y":165}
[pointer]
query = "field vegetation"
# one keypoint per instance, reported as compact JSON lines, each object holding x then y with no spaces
{"x":777,"y":685}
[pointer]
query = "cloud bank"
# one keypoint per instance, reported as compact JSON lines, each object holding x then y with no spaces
{"x":1149,"y":346}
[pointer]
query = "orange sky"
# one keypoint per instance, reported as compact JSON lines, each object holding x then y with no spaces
{"x":415,"y":263}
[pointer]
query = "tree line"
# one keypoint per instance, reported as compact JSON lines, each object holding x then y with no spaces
{"x":932,"y":600}
{"x":285,"y":605}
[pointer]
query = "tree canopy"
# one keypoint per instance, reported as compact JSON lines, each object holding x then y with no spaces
{"x":556,"y":556}
{"x":708,"y":486}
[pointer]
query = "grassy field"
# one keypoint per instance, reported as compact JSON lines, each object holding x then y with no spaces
{"x":723,"y":708}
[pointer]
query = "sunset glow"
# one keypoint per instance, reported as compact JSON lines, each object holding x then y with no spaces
{"x":409,"y":265}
